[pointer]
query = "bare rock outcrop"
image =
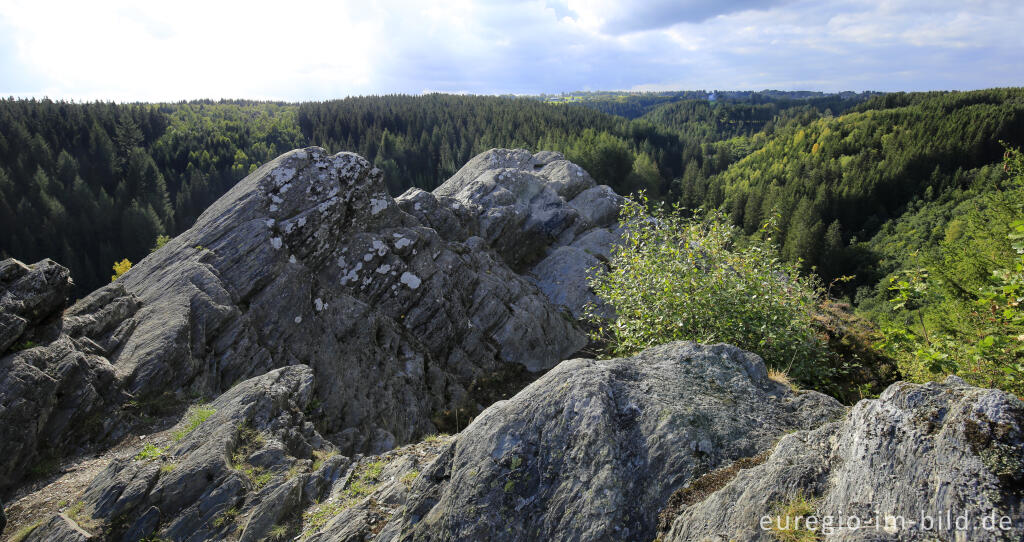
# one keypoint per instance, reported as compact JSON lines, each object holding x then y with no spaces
{"x":593,"y":450}
{"x":399,"y":307}
{"x":921,"y":462}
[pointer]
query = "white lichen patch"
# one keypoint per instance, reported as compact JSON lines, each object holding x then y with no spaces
{"x":270,"y":222}
{"x":352,"y":275}
{"x":383,"y":269}
{"x":298,"y":319}
{"x":402,"y":242}
{"x":276,"y":242}
{"x":276,"y":199}
{"x":273,"y":208}
{"x":341,"y":262}
{"x":282,"y":175}
{"x":380,"y":247}
{"x":302,"y":221}
{"x":319,"y":304}
{"x":291,"y":259}
{"x":410,"y":280}
{"x":377,"y":205}
{"x":367,"y":257}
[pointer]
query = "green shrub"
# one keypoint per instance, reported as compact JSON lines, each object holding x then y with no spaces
{"x":676,"y":278}
{"x":789,"y":520}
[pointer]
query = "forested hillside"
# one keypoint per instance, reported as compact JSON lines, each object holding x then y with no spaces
{"x":834,"y":181}
{"x":90,"y":184}
{"x":900,"y":202}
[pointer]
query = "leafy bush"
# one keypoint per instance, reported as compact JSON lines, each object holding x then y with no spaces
{"x":676,"y":278}
{"x":120,"y":268}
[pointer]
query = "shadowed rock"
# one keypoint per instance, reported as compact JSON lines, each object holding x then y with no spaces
{"x":398,"y":307}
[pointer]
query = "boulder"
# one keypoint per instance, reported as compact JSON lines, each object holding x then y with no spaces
{"x":594,"y":449}
{"x":30,"y":295}
{"x":904,"y":466}
{"x":57,"y":390}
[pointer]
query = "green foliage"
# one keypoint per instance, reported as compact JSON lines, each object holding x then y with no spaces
{"x":960,"y":313}
{"x":120,"y":268}
{"x":363,"y":481}
{"x":320,"y":456}
{"x":278,"y":532}
{"x":228,"y":517}
{"x":149,"y":452}
{"x":410,"y":477}
{"x":676,"y":278}
{"x":317,"y":517}
{"x":161,"y":240}
{"x":861,"y":169}
{"x":24,"y":346}
{"x":197,"y":414}
{"x":249,"y":441}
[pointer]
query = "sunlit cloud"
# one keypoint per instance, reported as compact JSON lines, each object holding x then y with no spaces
{"x":127,"y":51}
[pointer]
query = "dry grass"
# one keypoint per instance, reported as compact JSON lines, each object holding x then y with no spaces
{"x":782,"y":377}
{"x":789,"y":520}
{"x":699,"y":489}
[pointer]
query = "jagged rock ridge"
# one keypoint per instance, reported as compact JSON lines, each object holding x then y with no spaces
{"x":308,"y":260}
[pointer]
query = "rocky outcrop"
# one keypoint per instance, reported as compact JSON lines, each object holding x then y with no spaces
{"x":922,"y":462}
{"x":593,"y":450}
{"x":250,"y":451}
{"x":58,"y":391}
{"x":399,"y":307}
{"x":589,"y":451}
{"x":329,"y":326}
{"x":30,"y":297}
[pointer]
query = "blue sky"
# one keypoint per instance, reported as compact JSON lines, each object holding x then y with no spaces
{"x":150,"y":51}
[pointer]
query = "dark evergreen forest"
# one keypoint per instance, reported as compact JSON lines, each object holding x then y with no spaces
{"x":92,"y":183}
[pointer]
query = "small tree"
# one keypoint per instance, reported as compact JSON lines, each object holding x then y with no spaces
{"x":675,"y":278}
{"x":120,"y":268}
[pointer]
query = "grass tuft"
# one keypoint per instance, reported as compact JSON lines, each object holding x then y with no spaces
{"x":789,"y":520}
{"x":197,"y":414}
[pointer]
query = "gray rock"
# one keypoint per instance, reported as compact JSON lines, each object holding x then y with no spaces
{"x":309,"y":260}
{"x":29,"y":296}
{"x":217,"y":479}
{"x":398,"y":306}
{"x":599,"y":205}
{"x":59,"y":528}
{"x":917,"y":452}
{"x":593,"y":450}
{"x":58,"y":391}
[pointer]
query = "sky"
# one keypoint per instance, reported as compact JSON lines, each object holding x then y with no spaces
{"x":186,"y":49}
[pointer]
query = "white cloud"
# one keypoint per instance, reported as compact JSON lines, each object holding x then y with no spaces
{"x":127,"y":50}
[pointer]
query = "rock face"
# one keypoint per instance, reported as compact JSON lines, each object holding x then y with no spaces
{"x":903,"y":461}
{"x":57,"y":390}
{"x":399,"y":307}
{"x":592,"y":450}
